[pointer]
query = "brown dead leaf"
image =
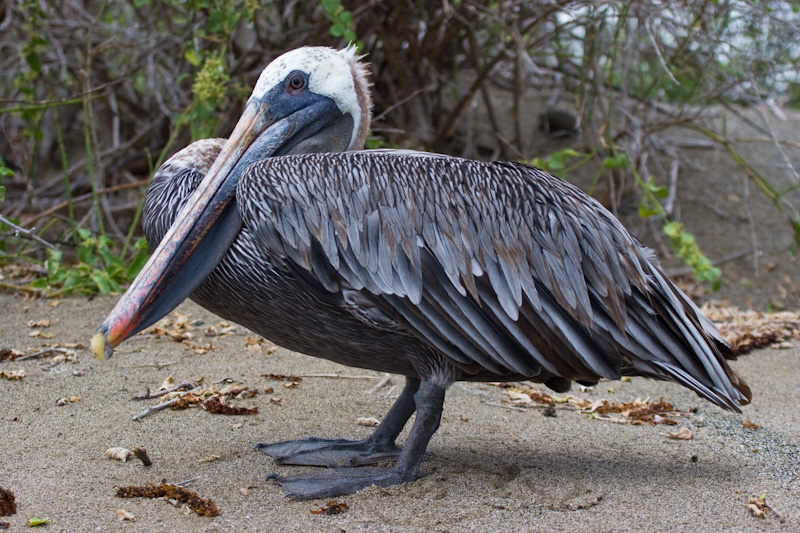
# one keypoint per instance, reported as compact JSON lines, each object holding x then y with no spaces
{"x":748,"y":330}
{"x":237,"y":390}
{"x":750,"y":425}
{"x":7,"y":505}
{"x":214,"y":405}
{"x":122,"y":514}
{"x":210,"y":458}
{"x":12,"y":375}
{"x":244,"y":491}
{"x":332,"y":508}
{"x":637,"y":412}
{"x":119,"y":453}
{"x":201,"y":506}
{"x":54,"y":303}
{"x":755,"y":511}
{"x":682,"y":434}
{"x":177,"y":327}
{"x":41,"y":323}
{"x":167,"y":383}
{"x":259,"y":344}
{"x":39,"y":333}
{"x":69,"y":356}
{"x":758,"y":506}
{"x":368,"y":422}
{"x":10,"y":355}
{"x":184,"y":401}
{"x":141,"y":453}
{"x":199,"y":349}
{"x":518,"y":398}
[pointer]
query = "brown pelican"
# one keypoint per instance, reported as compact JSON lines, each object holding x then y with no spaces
{"x":433,"y":267}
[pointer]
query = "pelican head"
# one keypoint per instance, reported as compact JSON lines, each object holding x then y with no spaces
{"x":312,"y":99}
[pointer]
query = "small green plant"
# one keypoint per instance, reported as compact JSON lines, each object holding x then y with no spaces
{"x":4,"y":171}
{"x":210,"y":91}
{"x":556,"y":163}
{"x":684,"y":245}
{"x":98,"y":269}
{"x":341,"y":22}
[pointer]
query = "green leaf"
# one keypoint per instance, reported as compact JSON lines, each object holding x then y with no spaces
{"x":337,"y":30}
{"x":101,"y":280}
{"x":86,"y":256}
{"x":73,"y":279}
{"x":40,"y":283}
{"x":137,"y":263}
{"x":195,"y":57}
{"x":645,"y":211}
{"x":672,"y":229}
{"x":330,"y":5}
{"x":34,"y":61}
{"x":33,"y":522}
{"x":617,"y":161}
{"x":53,"y":262}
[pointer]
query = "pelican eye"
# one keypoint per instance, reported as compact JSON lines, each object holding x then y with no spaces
{"x":296,"y":82}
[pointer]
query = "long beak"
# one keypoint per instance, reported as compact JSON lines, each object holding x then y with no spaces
{"x":200,"y":236}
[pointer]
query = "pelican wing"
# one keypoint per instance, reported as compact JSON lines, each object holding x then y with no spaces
{"x":499,"y":266}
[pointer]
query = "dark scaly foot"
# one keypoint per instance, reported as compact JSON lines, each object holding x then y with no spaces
{"x":378,"y":448}
{"x":314,"y":451}
{"x":327,"y":484}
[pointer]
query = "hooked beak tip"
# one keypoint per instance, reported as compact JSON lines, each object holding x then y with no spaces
{"x":101,"y":348}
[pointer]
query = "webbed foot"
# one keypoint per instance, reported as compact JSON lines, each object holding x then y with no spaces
{"x":314,"y":451}
{"x":335,"y":482}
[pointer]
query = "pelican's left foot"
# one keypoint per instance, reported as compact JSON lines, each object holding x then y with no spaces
{"x":335,"y":482}
{"x":331,"y":452}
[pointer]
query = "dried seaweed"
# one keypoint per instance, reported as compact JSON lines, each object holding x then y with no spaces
{"x":201,"y":506}
{"x":637,"y":412}
{"x":7,"y":505}
{"x":215,"y":406}
{"x":746,"y":331}
{"x":283,"y":377}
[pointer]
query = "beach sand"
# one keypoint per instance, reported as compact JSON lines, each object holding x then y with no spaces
{"x":492,"y":468}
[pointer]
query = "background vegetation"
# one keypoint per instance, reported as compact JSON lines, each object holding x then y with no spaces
{"x":94,"y":95}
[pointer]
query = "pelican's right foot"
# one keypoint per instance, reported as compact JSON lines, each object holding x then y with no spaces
{"x":314,"y":451}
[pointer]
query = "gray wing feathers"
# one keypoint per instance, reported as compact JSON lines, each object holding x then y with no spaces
{"x":499,"y":265}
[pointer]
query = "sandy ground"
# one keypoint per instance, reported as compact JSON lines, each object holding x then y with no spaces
{"x":494,"y":469}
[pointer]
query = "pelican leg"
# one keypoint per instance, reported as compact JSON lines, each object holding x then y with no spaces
{"x":335,"y":482}
{"x":377,"y":448}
